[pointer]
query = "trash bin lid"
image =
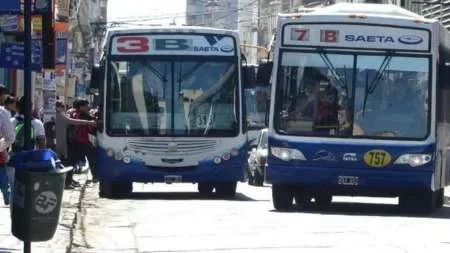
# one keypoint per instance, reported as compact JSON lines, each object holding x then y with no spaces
{"x":42,"y":160}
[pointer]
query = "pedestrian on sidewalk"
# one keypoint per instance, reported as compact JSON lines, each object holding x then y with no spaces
{"x":62,"y":122}
{"x":37,"y":136}
{"x":3,"y":93}
{"x":7,"y":136}
{"x":83,"y":146}
{"x":37,"y":130}
{"x":10,"y":105}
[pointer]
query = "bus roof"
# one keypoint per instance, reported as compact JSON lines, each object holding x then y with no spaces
{"x":124,"y":29}
{"x":362,"y":10}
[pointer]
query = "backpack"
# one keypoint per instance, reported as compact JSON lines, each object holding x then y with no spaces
{"x":19,"y":143}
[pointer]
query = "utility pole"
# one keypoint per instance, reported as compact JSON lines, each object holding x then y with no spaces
{"x":27,"y":84}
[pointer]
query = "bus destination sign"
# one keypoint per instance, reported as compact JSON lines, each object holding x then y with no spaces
{"x":173,"y":44}
{"x":356,"y":36}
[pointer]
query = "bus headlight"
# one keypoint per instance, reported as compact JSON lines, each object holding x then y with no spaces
{"x":287,"y":154}
{"x":110,"y":152}
{"x":414,"y":160}
{"x":217,"y":160}
{"x":234,"y":152}
{"x":126,"y":159}
{"x":226,"y":156}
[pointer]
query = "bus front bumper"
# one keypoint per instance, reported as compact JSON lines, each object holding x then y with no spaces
{"x":112,"y":170}
{"x":376,"y":180}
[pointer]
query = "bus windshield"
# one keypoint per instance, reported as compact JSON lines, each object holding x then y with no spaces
{"x":256,"y":107}
{"x":173,"y":97}
{"x":348,"y":95}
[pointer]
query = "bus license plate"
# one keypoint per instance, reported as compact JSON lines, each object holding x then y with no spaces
{"x":348,"y":180}
{"x":173,"y":179}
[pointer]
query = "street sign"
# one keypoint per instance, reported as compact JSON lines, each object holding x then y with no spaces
{"x":8,"y":6}
{"x":12,"y":56}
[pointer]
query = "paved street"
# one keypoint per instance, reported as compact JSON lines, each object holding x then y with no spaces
{"x":173,"y":218}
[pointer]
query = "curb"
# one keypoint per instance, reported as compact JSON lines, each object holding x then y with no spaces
{"x":77,"y":213}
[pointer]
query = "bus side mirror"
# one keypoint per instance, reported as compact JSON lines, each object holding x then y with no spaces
{"x":97,"y":77}
{"x":266,"y":118}
{"x":97,"y":83}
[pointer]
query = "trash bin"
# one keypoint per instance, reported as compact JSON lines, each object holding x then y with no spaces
{"x":37,"y":195}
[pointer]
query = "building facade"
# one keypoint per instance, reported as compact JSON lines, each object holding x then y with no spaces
{"x":213,"y":13}
{"x":439,"y":9}
{"x":87,"y":28}
{"x":258,"y":29}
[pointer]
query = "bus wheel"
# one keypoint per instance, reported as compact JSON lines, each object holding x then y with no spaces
{"x":226,"y":190}
{"x":115,"y":190}
{"x":423,"y":201}
{"x":282,"y":197}
{"x":323,"y":200}
{"x":205,"y":189}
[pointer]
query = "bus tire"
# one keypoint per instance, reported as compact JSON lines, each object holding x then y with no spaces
{"x":422,"y":201}
{"x":226,"y":190}
{"x":205,"y":189}
{"x":282,"y":197}
{"x":115,"y":190}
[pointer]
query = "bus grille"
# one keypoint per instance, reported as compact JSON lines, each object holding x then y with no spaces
{"x":167,"y":147}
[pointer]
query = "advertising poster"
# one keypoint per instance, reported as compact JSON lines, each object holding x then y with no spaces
{"x":61,"y":43}
{"x":61,"y":51}
{"x":60,"y":81}
{"x":9,"y":23}
{"x":62,"y":10}
{"x":80,"y":89}
{"x":49,"y":101}
{"x":49,"y":81}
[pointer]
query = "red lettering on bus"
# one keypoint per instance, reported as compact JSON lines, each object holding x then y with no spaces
{"x":132,"y":44}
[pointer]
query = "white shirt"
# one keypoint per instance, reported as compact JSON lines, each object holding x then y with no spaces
{"x":7,"y":132}
{"x":36,"y":124}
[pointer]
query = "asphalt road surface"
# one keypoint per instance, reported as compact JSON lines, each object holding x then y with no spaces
{"x":174,"y":218}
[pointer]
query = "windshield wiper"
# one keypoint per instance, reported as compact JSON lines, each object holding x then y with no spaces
{"x":370,"y":88}
{"x":330,"y":66}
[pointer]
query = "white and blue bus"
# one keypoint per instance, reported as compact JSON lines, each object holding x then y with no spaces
{"x":171,"y":110}
{"x":360,"y":106}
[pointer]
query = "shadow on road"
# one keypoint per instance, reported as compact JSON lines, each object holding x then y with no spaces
{"x":364,"y":209}
{"x":184,"y":196}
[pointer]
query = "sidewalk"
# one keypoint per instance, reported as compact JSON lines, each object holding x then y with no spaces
{"x":61,"y":241}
